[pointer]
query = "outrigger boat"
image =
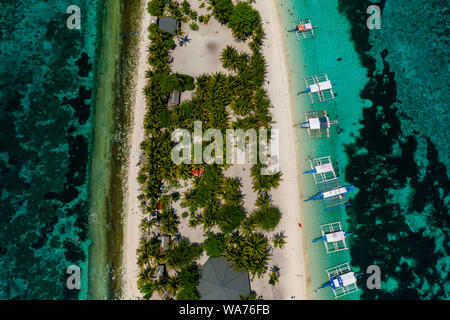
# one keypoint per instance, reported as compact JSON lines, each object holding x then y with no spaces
{"x":334,"y":194}
{"x":319,"y":88}
{"x":322,"y":169}
{"x":342,"y":280}
{"x":303,"y":29}
{"x":333,"y":237}
{"x":318,"y":124}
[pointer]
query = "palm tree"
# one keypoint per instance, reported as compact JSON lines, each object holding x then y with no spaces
{"x":169,"y":222}
{"x":274,"y":275}
{"x":264,"y":200}
{"x":264,"y":182}
{"x":184,"y":172}
{"x":243,"y":20}
{"x":248,"y":225}
{"x":279,"y":240}
{"x":173,"y":284}
{"x":229,"y":57}
{"x":231,"y":191}
{"x":250,"y":252}
{"x":190,"y":200}
{"x":222,"y":10}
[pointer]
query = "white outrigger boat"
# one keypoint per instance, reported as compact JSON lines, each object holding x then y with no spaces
{"x":342,"y":280}
{"x":319,"y":88}
{"x":322,"y":169}
{"x":303,"y":29}
{"x":334,"y":194}
{"x":317,"y":123}
{"x":333,"y":237}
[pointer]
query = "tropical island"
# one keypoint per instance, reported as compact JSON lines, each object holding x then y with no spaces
{"x":192,"y":212}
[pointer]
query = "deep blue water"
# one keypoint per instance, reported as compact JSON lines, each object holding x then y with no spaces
{"x":400,"y":159}
{"x":46,"y":93}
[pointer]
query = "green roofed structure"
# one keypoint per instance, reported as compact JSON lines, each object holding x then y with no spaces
{"x":168,"y":24}
{"x":219,"y":282}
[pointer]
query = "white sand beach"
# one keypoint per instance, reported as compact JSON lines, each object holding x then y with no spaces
{"x":133,"y":216}
{"x":200,"y":56}
{"x":290,"y":259}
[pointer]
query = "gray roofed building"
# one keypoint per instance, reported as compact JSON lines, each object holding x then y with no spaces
{"x":219,"y":282}
{"x":168,"y":24}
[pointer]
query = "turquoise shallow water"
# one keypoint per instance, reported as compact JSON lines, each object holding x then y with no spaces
{"x":385,"y":143}
{"x":46,"y":81}
{"x":331,"y":52}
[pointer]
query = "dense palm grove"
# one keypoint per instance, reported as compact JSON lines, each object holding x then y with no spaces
{"x":212,"y":201}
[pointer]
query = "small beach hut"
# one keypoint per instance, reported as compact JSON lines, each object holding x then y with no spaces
{"x":164,"y":241}
{"x":160,"y":271}
{"x":174,"y":99}
{"x":168,"y":24}
{"x":219,"y":282}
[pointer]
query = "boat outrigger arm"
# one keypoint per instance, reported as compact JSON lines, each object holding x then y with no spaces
{"x":333,"y":237}
{"x":341,"y":280}
{"x":330,"y":194}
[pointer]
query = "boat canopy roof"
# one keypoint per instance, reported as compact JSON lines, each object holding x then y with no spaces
{"x":319,"y":123}
{"x":323,"y":168}
{"x":334,"y":192}
{"x":325,"y":85}
{"x":348,"y":278}
{"x":335,"y":236}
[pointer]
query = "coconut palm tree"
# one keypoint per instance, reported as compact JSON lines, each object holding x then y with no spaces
{"x":264,"y":182}
{"x":222,"y":9}
{"x":169,"y":222}
{"x":274,"y":275}
{"x":279,"y":240}
{"x":264,"y":200}
{"x":231,"y":191}
{"x":189,"y":200}
{"x":229,"y":57}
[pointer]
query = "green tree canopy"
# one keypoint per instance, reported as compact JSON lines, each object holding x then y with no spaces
{"x":229,"y":218}
{"x":248,"y":252}
{"x":174,"y":81}
{"x":267,"y":218}
{"x":222,"y":10}
{"x":243,"y":20}
{"x":214,"y":245}
{"x":264,"y":182}
{"x":156,"y":7}
{"x":189,"y":278}
{"x":183,"y":255}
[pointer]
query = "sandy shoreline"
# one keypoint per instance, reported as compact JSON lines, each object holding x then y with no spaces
{"x":132,"y":217}
{"x":290,"y":260}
